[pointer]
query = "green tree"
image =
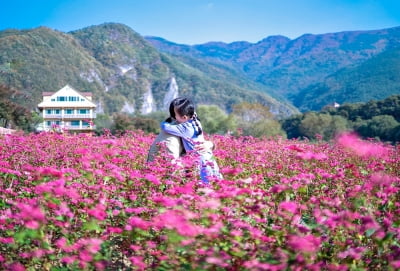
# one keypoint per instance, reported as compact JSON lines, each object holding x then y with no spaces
{"x":122,"y":123}
{"x":291,"y":126}
{"x":396,"y":135}
{"x":256,"y":120}
{"x":12,"y":114}
{"x":322,"y":124}
{"x":158,"y":116}
{"x":214,"y":120}
{"x":146,"y":124}
{"x":103,"y":121}
{"x":383,"y":127}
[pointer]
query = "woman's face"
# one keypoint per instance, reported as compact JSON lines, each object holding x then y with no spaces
{"x":179,"y":118}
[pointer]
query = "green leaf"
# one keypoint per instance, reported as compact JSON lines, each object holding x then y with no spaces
{"x":92,"y":225}
{"x":174,"y":237}
{"x":370,"y":232}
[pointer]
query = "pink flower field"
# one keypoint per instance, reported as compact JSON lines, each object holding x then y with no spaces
{"x":75,"y":202}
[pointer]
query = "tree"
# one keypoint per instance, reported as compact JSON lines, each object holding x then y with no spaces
{"x":322,"y":124}
{"x":214,"y":120}
{"x":291,"y":126}
{"x":146,"y":124}
{"x":158,"y":116}
{"x":11,"y":113}
{"x":103,"y":121}
{"x":383,"y":127}
{"x":124,"y":122}
{"x":256,"y":120}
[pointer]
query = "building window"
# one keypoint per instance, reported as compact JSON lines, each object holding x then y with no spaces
{"x":73,"y":98}
{"x":75,"y":123}
{"x":53,"y":111}
{"x":69,"y":111}
{"x":48,"y":123}
{"x":83,"y":111}
{"x":61,"y":98}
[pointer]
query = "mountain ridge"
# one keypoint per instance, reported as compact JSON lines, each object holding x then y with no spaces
{"x":130,"y":73}
{"x":115,"y":63}
{"x":290,"y":66}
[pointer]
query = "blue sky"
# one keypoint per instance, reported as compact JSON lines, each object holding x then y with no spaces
{"x":200,"y":21}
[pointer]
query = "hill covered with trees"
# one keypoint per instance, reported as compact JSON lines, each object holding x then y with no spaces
{"x":310,"y":71}
{"x":119,"y":66}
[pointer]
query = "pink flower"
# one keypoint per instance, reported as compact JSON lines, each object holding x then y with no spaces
{"x":98,"y":212}
{"x":153,"y":178}
{"x":32,"y":224}
{"x":395,"y":264}
{"x":114,"y":230}
{"x":178,"y":221}
{"x":16,"y":267}
{"x":217,"y":261}
{"x":61,"y":243}
{"x":68,"y":259}
{"x":6,"y":240}
{"x":137,"y":261}
{"x":306,"y":244}
{"x":209,"y":204}
{"x":93,"y":245}
{"x":28,"y":212}
{"x":354,"y":253}
{"x":362,"y":148}
{"x":231,"y":171}
{"x":165,"y":201}
{"x":288,"y":206}
{"x":294,"y":148}
{"x":137,"y":222}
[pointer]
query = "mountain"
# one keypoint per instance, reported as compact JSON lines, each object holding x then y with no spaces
{"x":130,"y":73}
{"x":124,"y":72}
{"x":291,"y":67}
{"x":375,"y":79}
{"x":42,"y":59}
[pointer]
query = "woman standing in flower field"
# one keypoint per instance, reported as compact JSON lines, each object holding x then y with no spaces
{"x":190,"y":130}
{"x":171,"y":144}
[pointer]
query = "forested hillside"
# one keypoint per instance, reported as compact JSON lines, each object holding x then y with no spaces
{"x":378,"y":119}
{"x":374,"y":79}
{"x":121,"y":69}
{"x":128,"y":73}
{"x":300,"y":70}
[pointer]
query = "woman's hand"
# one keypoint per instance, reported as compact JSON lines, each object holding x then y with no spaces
{"x":206,"y":146}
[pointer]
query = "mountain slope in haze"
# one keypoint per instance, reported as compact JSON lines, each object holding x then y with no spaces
{"x":44,"y":60}
{"x":124,"y":72}
{"x":374,"y":79}
{"x":290,"y":66}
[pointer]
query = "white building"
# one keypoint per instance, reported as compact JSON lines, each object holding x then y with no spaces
{"x":67,"y":110}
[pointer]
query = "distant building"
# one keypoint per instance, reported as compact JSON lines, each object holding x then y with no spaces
{"x":67,"y":110}
{"x":332,"y":105}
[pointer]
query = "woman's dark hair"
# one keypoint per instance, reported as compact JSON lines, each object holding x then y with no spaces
{"x":185,"y":106}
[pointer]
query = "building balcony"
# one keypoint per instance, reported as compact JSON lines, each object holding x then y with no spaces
{"x":70,"y":116}
{"x":60,"y":128}
{"x":76,"y":128}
